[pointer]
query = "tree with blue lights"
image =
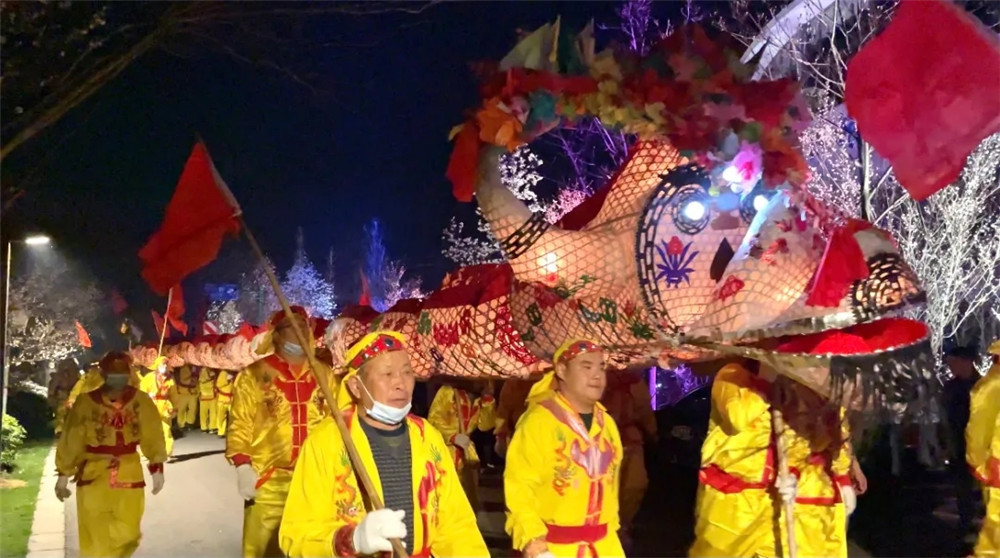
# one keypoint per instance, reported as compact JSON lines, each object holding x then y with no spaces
{"x":386,"y":282}
{"x":304,"y":284}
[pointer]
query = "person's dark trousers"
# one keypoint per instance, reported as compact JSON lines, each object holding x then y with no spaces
{"x":965,"y":493}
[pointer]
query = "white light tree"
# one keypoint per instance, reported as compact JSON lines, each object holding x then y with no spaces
{"x":256,"y":300}
{"x":387,"y":281}
{"x":45,"y":305}
{"x":225,"y":316}
{"x":304,"y":284}
{"x":952,"y":239}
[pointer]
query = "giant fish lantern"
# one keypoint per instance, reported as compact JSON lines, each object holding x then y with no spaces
{"x":705,"y":242}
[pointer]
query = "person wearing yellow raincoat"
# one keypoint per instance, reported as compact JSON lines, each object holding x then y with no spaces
{"x":982,"y":452}
{"x":224,"y":393}
{"x":405,"y":457}
{"x":457,"y":414}
{"x":61,"y":385}
{"x":158,"y":385}
{"x":93,"y":379}
{"x":207,"y":399}
{"x":276,"y":403}
{"x":563,"y":463}
{"x":98,"y":449}
{"x":185,"y":396}
{"x":739,"y":509}
{"x":628,"y":401}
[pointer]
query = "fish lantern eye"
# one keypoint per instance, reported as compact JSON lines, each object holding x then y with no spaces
{"x":694,"y":210}
{"x":760,"y":201}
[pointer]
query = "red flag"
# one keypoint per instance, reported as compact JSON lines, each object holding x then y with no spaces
{"x":209,"y":328}
{"x":366,"y":295}
{"x":158,"y":323}
{"x":199,"y":214}
{"x":175,"y":310}
{"x":81,"y":334}
{"x":926,"y":92}
{"x":118,"y":303}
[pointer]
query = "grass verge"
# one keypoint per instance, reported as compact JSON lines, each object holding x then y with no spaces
{"x":17,"y":501}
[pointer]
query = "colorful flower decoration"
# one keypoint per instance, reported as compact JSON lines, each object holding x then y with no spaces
{"x":676,"y":267}
{"x":691,"y":90}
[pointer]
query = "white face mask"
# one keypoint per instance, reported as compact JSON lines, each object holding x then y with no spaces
{"x":384,"y":413}
{"x":116,"y":381}
{"x":292,"y":349}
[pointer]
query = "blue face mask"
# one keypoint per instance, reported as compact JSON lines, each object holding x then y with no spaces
{"x":384,"y":413}
{"x":292,"y":349}
{"x":116,"y":381}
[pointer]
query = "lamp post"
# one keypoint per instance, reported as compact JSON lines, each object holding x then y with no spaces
{"x":34,"y":240}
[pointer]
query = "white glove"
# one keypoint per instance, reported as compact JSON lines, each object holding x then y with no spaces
{"x":786,"y":487}
{"x":373,"y":533}
{"x":246,"y":481}
{"x":849,"y":497}
{"x":62,"y":492}
{"x":157,"y":483}
{"x":462,"y":441}
{"x":546,"y":554}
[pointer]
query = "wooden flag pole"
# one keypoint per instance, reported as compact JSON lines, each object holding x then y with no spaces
{"x":359,"y":469}
{"x":166,"y":320}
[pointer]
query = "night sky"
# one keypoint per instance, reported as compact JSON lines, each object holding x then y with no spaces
{"x":371,"y":143}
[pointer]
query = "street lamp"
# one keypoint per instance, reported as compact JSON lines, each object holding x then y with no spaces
{"x":33,"y":240}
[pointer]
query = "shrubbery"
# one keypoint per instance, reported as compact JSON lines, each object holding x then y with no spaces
{"x":11,"y":440}
{"x":32,"y":412}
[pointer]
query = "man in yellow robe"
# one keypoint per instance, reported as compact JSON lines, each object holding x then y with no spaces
{"x":61,"y":385}
{"x":185,"y":397}
{"x":739,"y":510}
{"x":456,"y":414}
{"x":98,"y":448}
{"x":982,"y":452}
{"x":93,"y":379}
{"x":627,"y":400}
{"x":276,"y":403}
{"x":158,"y":385}
{"x":207,"y":399}
{"x":563,"y":463}
{"x":224,"y":394}
{"x":406,"y":458}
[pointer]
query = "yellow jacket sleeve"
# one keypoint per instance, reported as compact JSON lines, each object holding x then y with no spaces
{"x":310,"y":520}
{"x":72,"y":442}
{"x":151,"y":440}
{"x":522,"y":480}
{"x":734,"y":398}
{"x":457,"y":532}
{"x":442,"y":414}
{"x":487,"y":419}
{"x":984,"y":412}
{"x":239,"y":434}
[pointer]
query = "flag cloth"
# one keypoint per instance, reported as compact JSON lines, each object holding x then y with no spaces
{"x":158,"y":324}
{"x":118,"y":304}
{"x":81,"y":334}
{"x":199,"y":214}
{"x":926,"y":92}
{"x":175,"y":310}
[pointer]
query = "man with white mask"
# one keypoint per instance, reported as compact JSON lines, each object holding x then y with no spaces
{"x":406,"y":458}
{"x":276,"y":403}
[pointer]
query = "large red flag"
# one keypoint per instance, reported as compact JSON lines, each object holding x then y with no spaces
{"x":118,"y":304}
{"x":926,"y":92}
{"x":81,"y":334}
{"x":158,"y":323}
{"x":175,"y":310}
{"x":199,"y":214}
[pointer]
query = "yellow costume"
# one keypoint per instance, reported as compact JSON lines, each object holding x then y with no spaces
{"x":98,"y":445}
{"x":982,"y":436}
{"x":627,"y":400}
{"x":273,"y":409}
{"x":738,"y":509}
{"x":454,"y":412}
{"x":91,"y":380}
{"x":224,"y":389}
{"x":207,"y":399}
{"x":325,"y":503}
{"x":158,"y":388}
{"x":561,"y":481}
{"x":186,"y":396}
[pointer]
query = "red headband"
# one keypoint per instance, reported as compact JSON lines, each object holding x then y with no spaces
{"x":577,"y":349}
{"x":379,"y":345}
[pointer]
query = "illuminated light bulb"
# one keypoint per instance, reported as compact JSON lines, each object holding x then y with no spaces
{"x":694,"y":210}
{"x":732,"y":175}
{"x":760,"y":202}
{"x":548,"y":262}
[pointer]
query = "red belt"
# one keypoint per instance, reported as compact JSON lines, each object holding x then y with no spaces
{"x":584,"y":535}
{"x":113,"y":450}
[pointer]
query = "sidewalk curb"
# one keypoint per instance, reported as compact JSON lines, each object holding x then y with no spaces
{"x":48,"y":528}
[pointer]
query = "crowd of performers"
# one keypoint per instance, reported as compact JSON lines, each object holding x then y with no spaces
{"x":573,"y":441}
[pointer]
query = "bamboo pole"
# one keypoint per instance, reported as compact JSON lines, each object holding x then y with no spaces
{"x":778,"y":426}
{"x":166,"y":321}
{"x":359,"y":469}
